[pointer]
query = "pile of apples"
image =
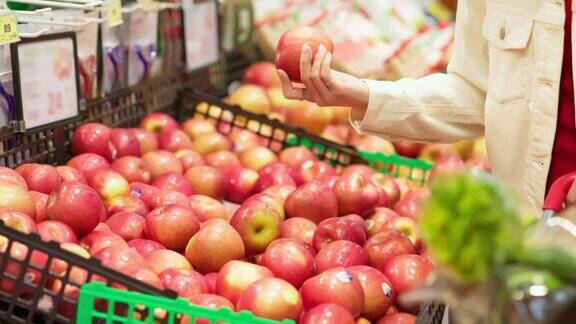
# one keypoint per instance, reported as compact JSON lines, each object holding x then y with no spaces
{"x":224,"y":221}
{"x":261,"y":93}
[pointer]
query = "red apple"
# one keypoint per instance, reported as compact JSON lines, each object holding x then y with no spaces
{"x":327,"y":313}
{"x":340,"y":254}
{"x":241,"y":183}
{"x":121,"y":258}
{"x":160,"y":162}
{"x":17,"y":199}
{"x":39,"y":177}
{"x":235,"y":276}
{"x":158,"y":122}
{"x":271,"y":298}
{"x":262,"y":74}
{"x":280,"y":192}
{"x":223,"y":160}
{"x":173,"y":181}
{"x":211,"y":280}
{"x":337,"y":133}
{"x":215,"y":244}
{"x":40,"y":201}
{"x":196,"y":127}
{"x":251,"y":98}
{"x":386,"y":245}
{"x":360,"y":222}
{"x":389,"y":186}
{"x":172,"y":226}
{"x":186,"y":282}
{"x":144,"y":246}
{"x":148,"y":277}
{"x":68,"y":173}
{"x":207,"y":208}
{"x":164,"y":259}
{"x":166,"y":198}
{"x":314,"y":201}
{"x":109,"y":185}
{"x":96,"y":241}
{"x":298,"y":228}
{"x":315,"y":170}
{"x":447,"y":165}
{"x":378,"y":294}
{"x":398,"y":318}
{"x":411,"y":204}
{"x":256,"y":158}
{"x":375,"y":221}
{"x":56,"y":231}
{"x":189,"y":158}
{"x":243,"y":139}
{"x":289,"y":259}
{"x":336,"y":229}
{"x":174,"y":140}
{"x":64,"y":202}
{"x":102,"y":227}
{"x":88,"y":164}
{"x":408,"y":149}
{"x":330,"y":181}
{"x":144,"y":192}
{"x":94,"y":138}
{"x":338,"y":286}
{"x":210,"y":143}
{"x":296,"y":156}
{"x":125,"y":142}
{"x":409,"y":227}
{"x":207,"y":181}
{"x":128,"y":225}
{"x":18,"y":221}
{"x":273,"y":179}
{"x":355,"y":194}
{"x":407,"y":272}
{"x":208,"y":301}
{"x":132,"y":168}
{"x":129,"y":204}
{"x":148,"y":141}
{"x":11,"y":177}
{"x":60,"y":267}
{"x":365,"y":171}
{"x":290,"y":45}
{"x":258,"y":224}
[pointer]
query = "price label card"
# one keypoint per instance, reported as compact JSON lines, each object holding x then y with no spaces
{"x":45,"y":80}
{"x":201,"y":34}
{"x":114,"y":13}
{"x":8,"y":29}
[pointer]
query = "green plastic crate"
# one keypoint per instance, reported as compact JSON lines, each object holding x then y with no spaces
{"x":99,"y":303}
{"x":394,"y":164}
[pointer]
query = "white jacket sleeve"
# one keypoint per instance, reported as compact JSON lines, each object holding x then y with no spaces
{"x":440,"y":107}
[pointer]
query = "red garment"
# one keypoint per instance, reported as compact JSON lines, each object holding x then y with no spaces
{"x":564,"y":150}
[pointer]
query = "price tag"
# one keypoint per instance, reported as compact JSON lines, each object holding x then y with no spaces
{"x":8,"y":29}
{"x":114,"y":13}
{"x":46,"y":80}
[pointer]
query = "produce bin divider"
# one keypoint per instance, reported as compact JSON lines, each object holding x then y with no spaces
{"x":168,"y":310}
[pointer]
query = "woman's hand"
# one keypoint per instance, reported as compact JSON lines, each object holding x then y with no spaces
{"x":323,"y":85}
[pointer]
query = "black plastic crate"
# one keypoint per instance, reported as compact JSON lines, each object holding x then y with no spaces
{"x":31,"y":293}
{"x":276,"y":134}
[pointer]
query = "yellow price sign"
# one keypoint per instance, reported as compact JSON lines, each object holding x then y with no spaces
{"x":114,"y":13}
{"x":8,"y":29}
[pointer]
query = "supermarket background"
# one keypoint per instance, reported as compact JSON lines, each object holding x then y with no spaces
{"x":147,"y":153}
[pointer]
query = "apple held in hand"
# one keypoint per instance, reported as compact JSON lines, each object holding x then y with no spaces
{"x":290,"y":259}
{"x":338,"y":286}
{"x":236,"y":276}
{"x":172,"y":226}
{"x":271,"y":298}
{"x":214,"y":245}
{"x":290,"y":46}
{"x":340,"y":254}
